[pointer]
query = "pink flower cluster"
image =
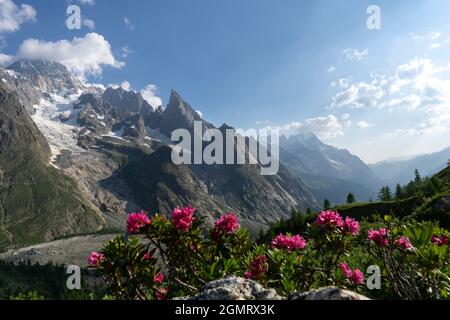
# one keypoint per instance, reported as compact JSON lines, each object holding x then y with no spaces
{"x":380,"y":237}
{"x":404,"y":243}
{"x":182,"y":218}
{"x":256,"y":268}
{"x":440,"y":241}
{"x":351,"y":226}
{"x":355,"y":277}
{"x":95,"y":258}
{"x":227,"y":223}
{"x":289,"y":243}
{"x":136,"y":221}
{"x":332,"y":220}
{"x":159,"y":278}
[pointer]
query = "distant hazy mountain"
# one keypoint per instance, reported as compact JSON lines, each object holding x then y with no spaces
{"x":328,"y":171}
{"x":402,"y":171}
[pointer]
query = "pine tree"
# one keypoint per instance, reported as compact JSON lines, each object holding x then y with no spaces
{"x":351,"y":198}
{"x":326,"y":204}
{"x":417,"y":177}
{"x":398,"y":192}
{"x":388,"y":194}
{"x":382,"y":194}
{"x":385,"y":194}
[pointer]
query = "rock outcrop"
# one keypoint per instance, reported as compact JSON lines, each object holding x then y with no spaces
{"x":328,"y":293}
{"x":237,"y":288}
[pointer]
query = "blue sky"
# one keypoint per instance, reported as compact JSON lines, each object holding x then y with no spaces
{"x":293,"y":65}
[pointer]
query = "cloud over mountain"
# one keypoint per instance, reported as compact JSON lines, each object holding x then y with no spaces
{"x":84,"y":56}
{"x":325,"y":127}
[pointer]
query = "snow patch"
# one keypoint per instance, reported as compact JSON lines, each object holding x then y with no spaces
{"x":116,"y":134}
{"x":60,"y":136}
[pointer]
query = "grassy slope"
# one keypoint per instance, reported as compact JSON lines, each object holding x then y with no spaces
{"x":431,"y":202}
{"x":428,"y":203}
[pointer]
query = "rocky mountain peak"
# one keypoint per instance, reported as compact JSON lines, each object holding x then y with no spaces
{"x":225,"y":127}
{"x":179,"y":114}
{"x":48,"y":76}
{"x":127,"y":100}
{"x":178,"y":104}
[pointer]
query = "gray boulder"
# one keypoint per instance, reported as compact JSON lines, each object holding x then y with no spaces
{"x":328,"y":293}
{"x":235,"y":288}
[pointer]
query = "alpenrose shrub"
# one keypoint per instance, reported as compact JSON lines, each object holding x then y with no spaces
{"x":165,"y":257}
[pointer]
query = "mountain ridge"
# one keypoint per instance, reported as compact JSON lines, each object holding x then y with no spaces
{"x":403,"y":171}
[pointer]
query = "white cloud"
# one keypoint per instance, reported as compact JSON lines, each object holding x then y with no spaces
{"x":402,"y":88}
{"x":427,"y":137}
{"x":345,"y":118}
{"x":331,"y":69}
{"x":434,"y":35}
{"x":355,"y":54}
{"x":125,"y":86}
{"x":5,"y":59}
{"x":364,"y":125}
{"x":88,"y":23}
{"x":125,"y":51}
{"x":128,"y":23}
{"x":417,"y":92}
{"x":358,"y":96}
{"x":325,"y":128}
{"x":88,"y":2}
{"x":83,"y":56}
{"x":344,"y":82}
{"x":417,"y":36}
{"x":433,"y":39}
{"x":149,"y":94}
{"x":13,"y":16}
{"x":435,"y":46}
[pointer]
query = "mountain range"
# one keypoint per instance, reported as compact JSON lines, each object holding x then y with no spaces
{"x":86,"y":156}
{"x":402,"y":171}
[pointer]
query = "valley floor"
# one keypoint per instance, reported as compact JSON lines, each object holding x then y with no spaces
{"x":71,"y":251}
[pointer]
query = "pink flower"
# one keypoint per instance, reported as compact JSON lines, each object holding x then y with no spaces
{"x":161,"y":293}
{"x":351,"y":226}
{"x":136,"y":221}
{"x":440,"y":241}
{"x":256,"y":268}
{"x":329,"y":219}
{"x":378,"y":236}
{"x":290,"y":243}
{"x":346,"y":270}
{"x":147,"y":256}
{"x":227,"y":223}
{"x":404,"y":243}
{"x":159,"y":278}
{"x":355,"y":277}
{"x":182,"y":218}
{"x":95,"y":258}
